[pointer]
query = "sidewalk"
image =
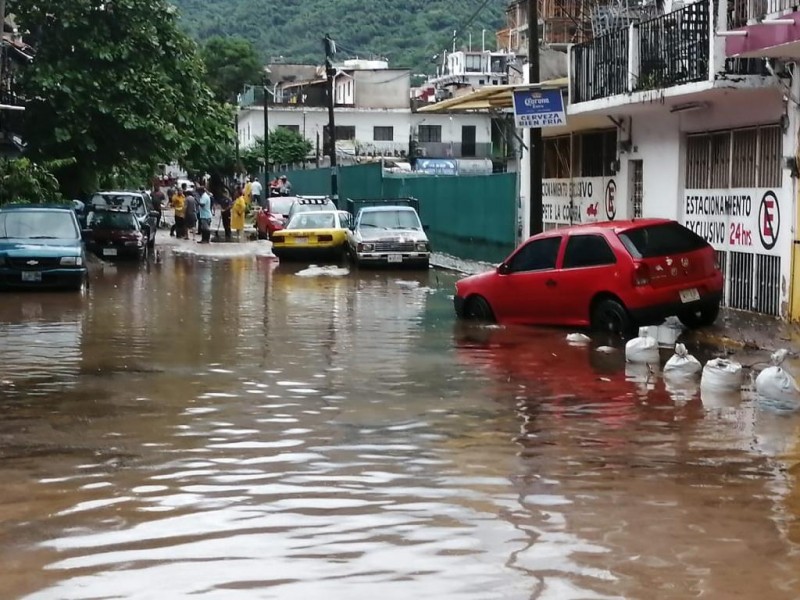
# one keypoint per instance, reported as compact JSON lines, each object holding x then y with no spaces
{"x":739,"y":330}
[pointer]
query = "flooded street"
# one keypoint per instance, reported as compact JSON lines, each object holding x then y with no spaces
{"x":228,"y":428}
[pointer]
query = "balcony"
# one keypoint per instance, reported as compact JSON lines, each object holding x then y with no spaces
{"x":764,"y":28}
{"x":454,"y":150}
{"x":660,"y":53}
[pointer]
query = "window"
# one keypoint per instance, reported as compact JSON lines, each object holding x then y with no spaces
{"x":557,"y":157}
{"x":429,"y":133}
{"x":588,"y":251}
{"x":295,"y":128}
{"x":383,"y":134}
{"x":536,"y":256}
{"x":473,"y":63}
{"x":597,"y":151}
{"x":343,"y":132}
{"x":661,"y":240}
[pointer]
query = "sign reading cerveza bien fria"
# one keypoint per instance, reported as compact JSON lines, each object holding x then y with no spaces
{"x":740,"y":219}
{"x":539,"y":108}
{"x":579,"y":200}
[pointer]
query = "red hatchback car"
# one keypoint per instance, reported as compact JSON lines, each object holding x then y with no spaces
{"x":611,"y":276}
{"x":274,"y":217}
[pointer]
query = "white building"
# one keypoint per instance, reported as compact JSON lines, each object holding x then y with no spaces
{"x":373,"y":117}
{"x":669,"y":117}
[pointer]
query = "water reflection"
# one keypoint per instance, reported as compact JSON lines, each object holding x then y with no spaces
{"x":244,"y":432}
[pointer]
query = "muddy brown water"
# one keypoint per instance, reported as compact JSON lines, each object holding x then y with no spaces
{"x":227,"y":428}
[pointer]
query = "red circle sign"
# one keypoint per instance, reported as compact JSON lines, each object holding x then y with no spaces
{"x":611,"y":200}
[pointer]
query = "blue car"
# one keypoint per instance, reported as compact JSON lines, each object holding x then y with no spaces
{"x":41,"y":247}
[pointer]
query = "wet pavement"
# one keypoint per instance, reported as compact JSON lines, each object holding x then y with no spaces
{"x":218,"y":426}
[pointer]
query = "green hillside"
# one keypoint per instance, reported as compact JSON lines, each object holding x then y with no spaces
{"x":407,"y":33}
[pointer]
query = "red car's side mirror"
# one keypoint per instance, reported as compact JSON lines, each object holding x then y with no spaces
{"x":504,"y":269}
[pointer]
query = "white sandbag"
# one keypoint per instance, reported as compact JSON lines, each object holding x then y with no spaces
{"x":720,"y":399}
{"x":776,"y":387}
{"x":722,"y":374}
{"x":642,"y":349}
{"x":682,"y":364}
{"x":578,"y":338}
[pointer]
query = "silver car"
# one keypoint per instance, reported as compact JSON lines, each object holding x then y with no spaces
{"x":389,"y":235}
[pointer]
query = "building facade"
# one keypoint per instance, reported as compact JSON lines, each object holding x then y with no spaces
{"x":374,"y":118}
{"x":686,"y":119}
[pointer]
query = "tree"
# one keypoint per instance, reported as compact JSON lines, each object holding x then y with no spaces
{"x":286,"y":147}
{"x":231,"y":62}
{"x":114,"y":84}
{"x":24,"y":181}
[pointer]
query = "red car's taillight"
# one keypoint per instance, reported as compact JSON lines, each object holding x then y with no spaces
{"x":641,"y":275}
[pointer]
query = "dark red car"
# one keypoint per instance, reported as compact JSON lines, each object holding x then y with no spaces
{"x":274,"y":217}
{"x":612,"y":276}
{"x":115,"y":233}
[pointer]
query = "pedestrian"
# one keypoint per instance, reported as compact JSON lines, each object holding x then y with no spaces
{"x":190,"y":215}
{"x":255,"y":190}
{"x":225,"y":203}
{"x":158,"y":204}
{"x":248,"y":191}
{"x":204,"y":215}
{"x":178,"y":203}
{"x":237,"y":213}
{"x":286,"y":186}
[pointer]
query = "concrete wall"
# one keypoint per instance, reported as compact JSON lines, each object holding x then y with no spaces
{"x":382,"y":88}
{"x":311,"y":122}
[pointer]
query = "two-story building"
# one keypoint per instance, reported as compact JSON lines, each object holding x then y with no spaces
{"x":373,"y":116}
{"x":701,"y":104}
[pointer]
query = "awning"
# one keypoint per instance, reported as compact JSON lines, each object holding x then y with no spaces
{"x":491,"y":97}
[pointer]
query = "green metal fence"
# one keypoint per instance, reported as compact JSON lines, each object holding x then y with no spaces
{"x":471,"y":217}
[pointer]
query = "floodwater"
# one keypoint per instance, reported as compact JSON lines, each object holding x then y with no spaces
{"x":230,"y":428}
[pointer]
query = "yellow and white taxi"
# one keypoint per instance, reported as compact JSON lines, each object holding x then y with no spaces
{"x":312,"y":234}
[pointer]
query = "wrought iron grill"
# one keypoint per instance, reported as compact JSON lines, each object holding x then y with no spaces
{"x":674,"y":48}
{"x":601,"y":67}
{"x":740,"y":281}
{"x":768,"y":284}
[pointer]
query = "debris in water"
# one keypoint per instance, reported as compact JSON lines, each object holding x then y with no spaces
{"x":329,"y":271}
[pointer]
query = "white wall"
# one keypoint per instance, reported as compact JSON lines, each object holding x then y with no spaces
{"x":311,"y":121}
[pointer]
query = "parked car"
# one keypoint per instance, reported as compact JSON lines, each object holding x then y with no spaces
{"x":313,"y":233}
{"x":308,"y":204}
{"x":388,"y":233}
{"x":114,"y":233}
{"x":141,"y":206}
{"x":274,"y":216}
{"x":41,"y":247}
{"x":612,"y":276}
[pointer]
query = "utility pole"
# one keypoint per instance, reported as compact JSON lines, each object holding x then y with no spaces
{"x":2,"y":45}
{"x":330,"y":71}
{"x":266,"y":130}
{"x":535,"y":154}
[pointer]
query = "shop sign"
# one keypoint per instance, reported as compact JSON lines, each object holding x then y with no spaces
{"x":739,"y":219}
{"x":579,"y":200}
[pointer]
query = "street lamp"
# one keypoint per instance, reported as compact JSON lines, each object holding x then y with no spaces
{"x":266,"y":129}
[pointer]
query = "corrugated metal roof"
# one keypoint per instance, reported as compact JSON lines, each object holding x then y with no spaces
{"x":491,"y":96}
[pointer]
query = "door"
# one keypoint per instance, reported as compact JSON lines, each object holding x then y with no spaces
{"x":589,"y":265}
{"x":635,"y":188}
{"x":527,"y":289}
{"x":468,"y":146}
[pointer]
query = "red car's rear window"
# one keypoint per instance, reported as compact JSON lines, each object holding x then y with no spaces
{"x":660,"y":240}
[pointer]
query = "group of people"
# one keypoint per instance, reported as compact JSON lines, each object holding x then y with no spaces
{"x":193,"y":212}
{"x":195,"y":208}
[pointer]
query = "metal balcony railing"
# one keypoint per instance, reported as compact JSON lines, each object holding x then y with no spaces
{"x":600,"y":67}
{"x":743,"y":12}
{"x":664,"y":51}
{"x":455,"y":149}
{"x":674,"y":48}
